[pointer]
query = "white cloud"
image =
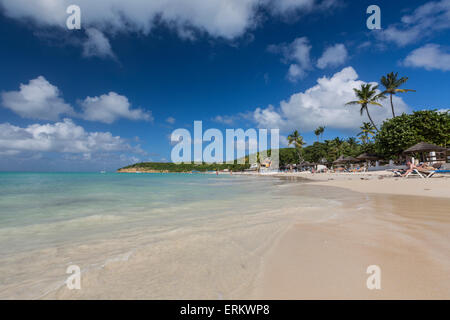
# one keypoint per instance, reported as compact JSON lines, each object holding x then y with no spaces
{"x":225,"y":119}
{"x":430,"y":57}
{"x":324,"y":105}
{"x":41,"y":100}
{"x":110,"y":107}
{"x":97,"y":45}
{"x":425,"y":21}
{"x":170,"y":120}
{"x":232,"y":119}
{"x":297,"y":52}
{"x":295,"y":72}
{"x":38,"y":99}
{"x":286,"y":6}
{"x":218,"y":18}
{"x":60,"y":137}
{"x":333,"y":56}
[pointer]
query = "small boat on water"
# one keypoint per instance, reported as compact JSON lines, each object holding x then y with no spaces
{"x":103,"y":171}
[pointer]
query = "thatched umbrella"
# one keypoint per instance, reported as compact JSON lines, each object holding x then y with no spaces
{"x":306,"y":164}
{"x":367,"y":156}
{"x":350,"y":159}
{"x":424,"y":147}
{"x":339,"y":160}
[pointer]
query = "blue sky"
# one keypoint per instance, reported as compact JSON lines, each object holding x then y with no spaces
{"x":111,"y":93}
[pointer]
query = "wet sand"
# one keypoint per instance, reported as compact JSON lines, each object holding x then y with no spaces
{"x":408,"y":237}
{"x":324,"y":254}
{"x":316,"y":243}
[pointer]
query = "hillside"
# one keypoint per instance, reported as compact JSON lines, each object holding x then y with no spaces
{"x":287,"y":155}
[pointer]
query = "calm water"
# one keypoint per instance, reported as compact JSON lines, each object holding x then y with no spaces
{"x":49,"y":220}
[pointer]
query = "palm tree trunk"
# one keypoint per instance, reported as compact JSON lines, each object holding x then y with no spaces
{"x":370,"y":118}
{"x":299,"y":152}
{"x":392,"y":106}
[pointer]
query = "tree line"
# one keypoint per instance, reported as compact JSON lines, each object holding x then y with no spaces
{"x":390,"y":140}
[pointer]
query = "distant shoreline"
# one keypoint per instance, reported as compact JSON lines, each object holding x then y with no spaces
{"x":377,"y":182}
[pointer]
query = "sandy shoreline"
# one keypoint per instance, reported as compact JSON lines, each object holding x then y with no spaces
{"x":405,"y":230}
{"x":314,"y":242}
{"x":400,"y":225}
{"x":379,"y":182}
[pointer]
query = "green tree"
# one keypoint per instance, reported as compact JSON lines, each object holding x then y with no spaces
{"x":367,"y":132}
{"x":336,"y":147}
{"x":367,"y":95}
{"x":352,"y":147}
{"x":297,"y":140}
{"x":288,"y":156}
{"x":315,"y":152}
{"x":391,"y":84}
{"x":399,"y":133}
{"x":319,"y":132}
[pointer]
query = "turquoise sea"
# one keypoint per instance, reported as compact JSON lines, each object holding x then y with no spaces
{"x":49,"y":221}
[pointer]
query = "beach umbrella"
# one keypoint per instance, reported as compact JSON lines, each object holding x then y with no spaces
{"x":424,"y":147}
{"x":367,"y":156}
{"x":350,"y":159}
{"x":339,"y":160}
{"x":323,"y":161}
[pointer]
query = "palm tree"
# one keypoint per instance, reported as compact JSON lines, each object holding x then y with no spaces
{"x":367,"y":95}
{"x":352,"y":142}
{"x":351,"y":146}
{"x":367,"y":132}
{"x":338,"y":145}
{"x":392,"y":84}
{"x":322,"y":130}
{"x":297,"y":140}
{"x":319,"y":132}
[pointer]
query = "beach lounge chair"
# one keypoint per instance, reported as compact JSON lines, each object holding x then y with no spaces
{"x":415,"y":172}
{"x":398,"y":173}
{"x":429,"y":174}
{"x":442,"y":171}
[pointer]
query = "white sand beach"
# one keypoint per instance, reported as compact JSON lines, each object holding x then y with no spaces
{"x":404,"y":229}
{"x":381,"y":182}
{"x":277,"y":237}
